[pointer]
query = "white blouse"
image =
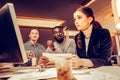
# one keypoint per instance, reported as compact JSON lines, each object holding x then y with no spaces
{"x":87,"y":34}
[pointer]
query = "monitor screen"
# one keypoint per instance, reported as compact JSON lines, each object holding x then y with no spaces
{"x":11,"y":43}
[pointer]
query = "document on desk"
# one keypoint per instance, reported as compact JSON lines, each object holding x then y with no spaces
{"x":106,"y":73}
{"x":54,"y":56}
{"x":100,"y":73}
{"x":48,"y":73}
{"x":103,"y":73}
{"x":35,"y":75}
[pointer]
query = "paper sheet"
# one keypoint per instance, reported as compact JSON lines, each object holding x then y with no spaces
{"x":48,"y":73}
{"x":35,"y":75}
{"x":55,"y":56}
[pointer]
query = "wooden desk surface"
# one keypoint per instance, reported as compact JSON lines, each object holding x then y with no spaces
{"x":6,"y":72}
{"x":52,"y":79}
{"x":110,"y":70}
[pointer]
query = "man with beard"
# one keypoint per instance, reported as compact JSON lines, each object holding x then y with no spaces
{"x":61,"y":44}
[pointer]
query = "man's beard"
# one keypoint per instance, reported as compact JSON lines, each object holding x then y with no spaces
{"x":60,"y":40}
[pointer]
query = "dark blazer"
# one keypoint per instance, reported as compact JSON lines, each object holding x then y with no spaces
{"x":99,"y":48}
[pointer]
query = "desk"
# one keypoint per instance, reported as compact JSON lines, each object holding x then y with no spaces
{"x":103,"y":73}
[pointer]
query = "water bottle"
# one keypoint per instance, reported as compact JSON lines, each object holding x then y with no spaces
{"x":34,"y":62}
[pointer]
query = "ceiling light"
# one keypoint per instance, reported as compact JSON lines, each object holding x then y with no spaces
{"x":89,"y":2}
{"x":38,"y":22}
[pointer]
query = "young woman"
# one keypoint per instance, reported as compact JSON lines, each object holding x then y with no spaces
{"x":93,"y":43}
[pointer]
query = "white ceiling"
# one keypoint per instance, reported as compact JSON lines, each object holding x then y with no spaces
{"x":63,"y":10}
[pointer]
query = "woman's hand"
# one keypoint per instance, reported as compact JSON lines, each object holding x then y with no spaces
{"x":76,"y":61}
{"x":81,"y":62}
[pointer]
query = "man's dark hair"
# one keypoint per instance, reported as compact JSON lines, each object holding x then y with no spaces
{"x":61,"y":27}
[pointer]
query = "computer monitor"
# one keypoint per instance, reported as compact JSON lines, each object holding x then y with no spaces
{"x":11,"y":43}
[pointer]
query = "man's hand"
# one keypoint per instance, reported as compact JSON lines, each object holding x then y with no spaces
{"x":50,"y":44}
{"x":28,"y":53}
{"x":44,"y":61}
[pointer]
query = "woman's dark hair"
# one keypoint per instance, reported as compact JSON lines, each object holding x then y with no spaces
{"x":89,"y":13}
{"x":97,"y":24}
